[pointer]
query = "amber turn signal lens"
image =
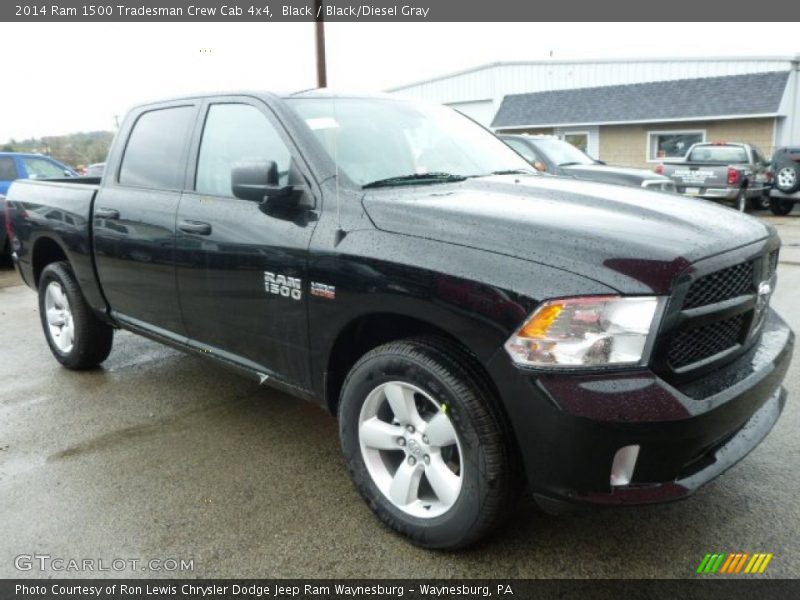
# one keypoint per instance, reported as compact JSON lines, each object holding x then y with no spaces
{"x":537,"y":327}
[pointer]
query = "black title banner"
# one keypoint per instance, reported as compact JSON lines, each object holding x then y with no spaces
{"x":707,"y":588}
{"x":399,"y":11}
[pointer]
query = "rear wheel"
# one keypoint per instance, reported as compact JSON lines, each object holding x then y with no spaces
{"x":77,"y":338}
{"x":780,"y":206}
{"x":423,"y":444}
{"x":741,"y":200}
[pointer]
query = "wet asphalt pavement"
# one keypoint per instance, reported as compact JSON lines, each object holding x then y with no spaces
{"x":160,"y":455}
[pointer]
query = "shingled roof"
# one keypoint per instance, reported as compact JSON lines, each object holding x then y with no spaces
{"x":681,"y":99}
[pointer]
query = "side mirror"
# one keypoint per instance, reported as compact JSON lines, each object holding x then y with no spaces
{"x":540,"y":166}
{"x":259,"y":181}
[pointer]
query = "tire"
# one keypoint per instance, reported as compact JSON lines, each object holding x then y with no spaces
{"x":760,"y":202}
{"x":439,"y":395}
{"x":780,"y":206}
{"x":741,"y":200}
{"x":77,"y":338}
{"x":787,"y":177}
{"x":5,"y":253}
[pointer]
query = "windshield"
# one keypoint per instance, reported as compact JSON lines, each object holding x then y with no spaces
{"x":397,"y":141}
{"x":719,"y":154}
{"x":563,"y":153}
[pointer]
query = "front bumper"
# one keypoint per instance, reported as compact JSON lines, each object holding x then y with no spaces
{"x":569,"y":427}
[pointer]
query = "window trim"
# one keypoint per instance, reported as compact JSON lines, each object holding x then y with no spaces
{"x":649,"y":136}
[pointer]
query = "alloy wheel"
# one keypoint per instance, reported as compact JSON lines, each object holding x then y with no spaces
{"x":59,"y":317}
{"x":411,"y":449}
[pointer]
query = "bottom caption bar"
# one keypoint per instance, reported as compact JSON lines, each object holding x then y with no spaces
{"x":224,"y":589}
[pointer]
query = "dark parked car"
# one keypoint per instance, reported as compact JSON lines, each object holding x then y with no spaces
{"x":786,"y":191}
{"x":557,"y":157}
{"x":478,"y":328}
{"x":723,"y":171}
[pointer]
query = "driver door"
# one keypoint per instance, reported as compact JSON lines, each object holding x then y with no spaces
{"x":230,"y":251}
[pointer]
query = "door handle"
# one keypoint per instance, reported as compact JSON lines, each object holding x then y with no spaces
{"x":196,"y":227}
{"x":106,"y":213}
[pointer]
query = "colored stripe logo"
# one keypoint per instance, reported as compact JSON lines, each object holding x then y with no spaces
{"x":734,"y":563}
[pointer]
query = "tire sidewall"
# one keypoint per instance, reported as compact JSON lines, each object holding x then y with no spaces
{"x":447,"y":529}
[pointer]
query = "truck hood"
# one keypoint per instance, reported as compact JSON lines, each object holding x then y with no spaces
{"x":630,"y":239}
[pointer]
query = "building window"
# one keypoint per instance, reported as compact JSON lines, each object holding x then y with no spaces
{"x":579,"y":139}
{"x":671,"y":144}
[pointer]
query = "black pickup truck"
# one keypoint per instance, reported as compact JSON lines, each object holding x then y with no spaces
{"x":479,"y":329}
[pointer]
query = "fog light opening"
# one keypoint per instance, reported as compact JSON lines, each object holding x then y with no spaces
{"x":623,"y":465}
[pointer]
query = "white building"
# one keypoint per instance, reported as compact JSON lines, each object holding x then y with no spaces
{"x":615,"y":118}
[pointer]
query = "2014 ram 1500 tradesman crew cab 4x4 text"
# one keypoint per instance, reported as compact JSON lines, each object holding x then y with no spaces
{"x":479,"y":329}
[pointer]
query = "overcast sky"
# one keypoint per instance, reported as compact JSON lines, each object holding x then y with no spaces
{"x":63,"y":78}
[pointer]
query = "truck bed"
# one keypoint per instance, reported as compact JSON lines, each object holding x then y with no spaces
{"x":62,"y":209}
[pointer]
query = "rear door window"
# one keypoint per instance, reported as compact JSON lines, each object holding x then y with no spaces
{"x":154,"y":156}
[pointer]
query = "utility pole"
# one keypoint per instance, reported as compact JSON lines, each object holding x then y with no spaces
{"x":322,"y":75}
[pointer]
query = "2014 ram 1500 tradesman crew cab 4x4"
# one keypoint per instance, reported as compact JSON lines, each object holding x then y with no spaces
{"x":477,"y":328}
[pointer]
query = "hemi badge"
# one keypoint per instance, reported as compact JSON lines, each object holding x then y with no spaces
{"x":323,"y":290}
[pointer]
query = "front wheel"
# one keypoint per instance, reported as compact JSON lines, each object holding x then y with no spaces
{"x":423,"y":444}
{"x":77,"y":338}
{"x":780,"y":207}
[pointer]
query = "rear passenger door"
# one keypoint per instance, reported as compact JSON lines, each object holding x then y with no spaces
{"x":134,"y":217}
{"x":242,"y":269}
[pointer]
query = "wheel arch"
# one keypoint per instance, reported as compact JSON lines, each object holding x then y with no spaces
{"x":367,"y":331}
{"x":46,"y":250}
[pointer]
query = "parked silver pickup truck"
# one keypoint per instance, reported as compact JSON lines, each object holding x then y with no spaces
{"x":728,"y":172}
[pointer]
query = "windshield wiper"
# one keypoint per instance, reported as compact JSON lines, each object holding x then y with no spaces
{"x":414,"y":178}
{"x":569,"y":164}
{"x":514,"y":172}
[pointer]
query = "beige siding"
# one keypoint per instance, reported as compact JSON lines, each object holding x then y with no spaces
{"x":626,"y":145}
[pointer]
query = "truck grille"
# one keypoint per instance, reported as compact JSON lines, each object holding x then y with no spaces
{"x":693,"y":345}
{"x":721,"y":285}
{"x":702,"y":335}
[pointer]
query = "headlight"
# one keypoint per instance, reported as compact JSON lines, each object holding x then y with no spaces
{"x":591,"y":330}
